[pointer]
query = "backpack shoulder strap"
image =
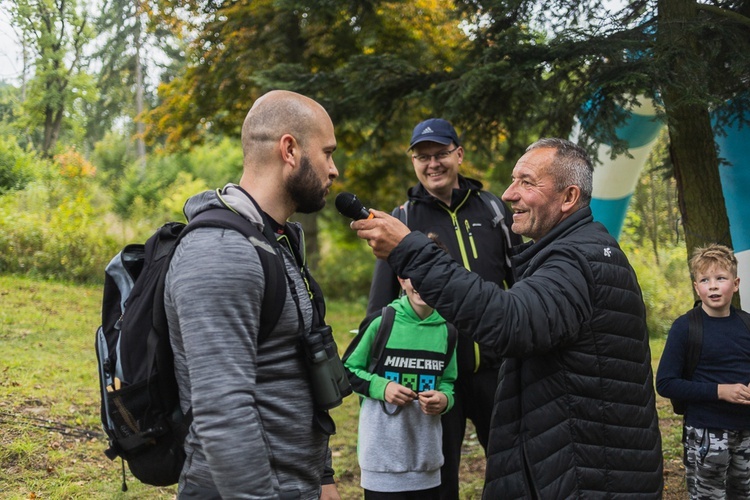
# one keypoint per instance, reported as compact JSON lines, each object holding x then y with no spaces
{"x":745,"y":317}
{"x":499,"y":209}
{"x":384,"y":332}
{"x":401,"y":212}
{"x":381,"y":337}
{"x":452,"y":340}
{"x":695,"y":342}
{"x":495,"y":205}
{"x":274,"y":293}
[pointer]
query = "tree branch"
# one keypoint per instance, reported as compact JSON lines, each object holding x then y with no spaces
{"x":729,"y":14}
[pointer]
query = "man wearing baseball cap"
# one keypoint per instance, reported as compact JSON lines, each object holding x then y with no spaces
{"x":475,"y":226}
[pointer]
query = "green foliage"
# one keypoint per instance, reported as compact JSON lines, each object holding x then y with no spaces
{"x":17,"y":167}
{"x":185,"y":186}
{"x":140,"y":192}
{"x":9,"y":108}
{"x":62,"y":245}
{"x":653,"y":218}
{"x":72,"y":217}
{"x":112,"y":155}
{"x":216,"y":162}
{"x":56,"y":33}
{"x":345,"y":264}
{"x":667,"y":288}
{"x":149,"y":199}
{"x":51,"y":229}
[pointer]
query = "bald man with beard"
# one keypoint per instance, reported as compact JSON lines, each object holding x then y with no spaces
{"x":255,"y":431}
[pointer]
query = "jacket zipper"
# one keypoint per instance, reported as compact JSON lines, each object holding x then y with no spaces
{"x":464,"y":257}
{"x":457,"y":229}
{"x":471,"y":238}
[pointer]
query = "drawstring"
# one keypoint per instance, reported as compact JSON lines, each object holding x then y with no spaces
{"x":124,"y":483}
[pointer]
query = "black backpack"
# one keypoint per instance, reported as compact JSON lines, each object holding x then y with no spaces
{"x":695,"y":344}
{"x":140,"y":408}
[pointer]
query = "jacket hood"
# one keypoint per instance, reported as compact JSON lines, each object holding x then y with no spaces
{"x":403,"y":307}
{"x":231,"y":196}
{"x":418,"y":193}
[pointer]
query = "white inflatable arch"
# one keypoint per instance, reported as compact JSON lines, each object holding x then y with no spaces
{"x":615,"y":179}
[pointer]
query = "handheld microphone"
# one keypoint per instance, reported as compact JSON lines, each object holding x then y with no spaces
{"x":347,"y":204}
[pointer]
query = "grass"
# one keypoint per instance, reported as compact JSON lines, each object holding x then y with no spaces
{"x":51,"y":443}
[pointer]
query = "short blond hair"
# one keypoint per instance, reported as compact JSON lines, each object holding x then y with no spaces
{"x":711,"y":255}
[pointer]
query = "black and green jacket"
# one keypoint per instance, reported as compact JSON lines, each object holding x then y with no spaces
{"x":475,"y":239}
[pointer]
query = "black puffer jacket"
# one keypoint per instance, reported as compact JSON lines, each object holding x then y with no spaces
{"x":575,"y":413}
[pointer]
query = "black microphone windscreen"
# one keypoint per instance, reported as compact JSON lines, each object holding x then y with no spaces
{"x":347,"y":204}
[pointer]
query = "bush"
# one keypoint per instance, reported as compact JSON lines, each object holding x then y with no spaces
{"x":217,"y":163}
{"x":345,"y":265}
{"x":52,"y":245}
{"x":140,"y":190}
{"x":61,"y":226}
{"x":158,"y":194}
{"x":51,"y":230}
{"x":112,"y":155}
{"x":17,"y":167}
{"x":667,"y":288}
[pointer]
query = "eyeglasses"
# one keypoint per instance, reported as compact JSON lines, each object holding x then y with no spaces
{"x":442,"y":155}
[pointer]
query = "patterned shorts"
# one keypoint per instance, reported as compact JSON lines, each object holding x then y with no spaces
{"x":717,"y":463}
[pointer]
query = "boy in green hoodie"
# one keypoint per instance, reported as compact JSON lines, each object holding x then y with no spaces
{"x":400,"y":435}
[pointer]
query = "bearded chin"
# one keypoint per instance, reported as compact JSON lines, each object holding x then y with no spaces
{"x":311,"y":206}
{"x":305,"y":190}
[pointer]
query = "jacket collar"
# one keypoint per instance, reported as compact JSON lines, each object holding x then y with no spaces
{"x":419,"y":194}
{"x":522,"y":254}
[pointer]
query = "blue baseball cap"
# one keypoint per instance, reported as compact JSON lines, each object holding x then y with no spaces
{"x":434,"y":130}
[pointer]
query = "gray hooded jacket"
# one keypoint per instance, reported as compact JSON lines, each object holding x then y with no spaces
{"x":252,"y":434}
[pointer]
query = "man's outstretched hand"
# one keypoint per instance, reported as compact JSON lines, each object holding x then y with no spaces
{"x":383,"y":232}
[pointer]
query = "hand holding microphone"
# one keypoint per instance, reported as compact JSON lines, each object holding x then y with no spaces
{"x":381,"y":231}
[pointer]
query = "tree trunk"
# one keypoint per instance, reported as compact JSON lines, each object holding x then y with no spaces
{"x":654,"y":216}
{"x":310,"y":227}
{"x":53,"y":117}
{"x":139,"y":127}
{"x":692,"y":147}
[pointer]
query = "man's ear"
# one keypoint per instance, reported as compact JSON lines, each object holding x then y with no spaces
{"x":289,"y":149}
{"x":571,"y":197}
